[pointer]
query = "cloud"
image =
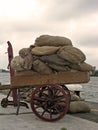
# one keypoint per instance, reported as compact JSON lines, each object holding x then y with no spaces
{"x":75,"y":19}
{"x":89,"y":40}
{"x":71,"y":9}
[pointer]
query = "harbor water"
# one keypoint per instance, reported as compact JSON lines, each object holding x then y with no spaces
{"x":89,"y":91}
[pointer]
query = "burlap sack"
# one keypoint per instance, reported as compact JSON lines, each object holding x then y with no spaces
{"x":72,"y":54}
{"x":41,"y":67}
{"x":17,"y":63}
{"x":47,"y":40}
{"x":59,"y":68}
{"x":74,"y":97}
{"x":28,"y":61}
{"x":24,"y":52}
{"x":55,"y":59}
{"x":82,"y":67}
{"x":86,"y":67}
{"x":79,"y":107}
{"x":44,"y":50}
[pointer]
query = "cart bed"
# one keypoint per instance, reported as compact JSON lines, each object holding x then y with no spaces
{"x":39,"y":79}
{"x":60,"y":78}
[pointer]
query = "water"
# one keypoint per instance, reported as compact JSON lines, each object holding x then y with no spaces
{"x":89,"y":93}
{"x":90,"y":90}
{"x":4,"y":78}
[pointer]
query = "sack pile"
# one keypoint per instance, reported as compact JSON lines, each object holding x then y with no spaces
{"x":50,"y":54}
{"x":79,"y":107}
{"x":77,"y":104}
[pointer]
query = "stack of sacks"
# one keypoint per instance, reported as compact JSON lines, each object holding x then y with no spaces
{"x":22,"y":63}
{"x":59,"y":54}
{"x":51,"y":54}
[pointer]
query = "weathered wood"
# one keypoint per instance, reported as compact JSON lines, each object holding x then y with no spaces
{"x":60,"y":78}
{"x":4,"y":87}
{"x":38,"y":79}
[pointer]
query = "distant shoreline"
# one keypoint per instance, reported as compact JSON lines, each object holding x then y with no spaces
{"x":4,"y":71}
{"x":95,"y":73}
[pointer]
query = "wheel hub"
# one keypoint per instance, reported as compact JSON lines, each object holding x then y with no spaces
{"x":50,"y":103}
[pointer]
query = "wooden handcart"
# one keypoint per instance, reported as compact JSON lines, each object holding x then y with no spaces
{"x":50,"y":97}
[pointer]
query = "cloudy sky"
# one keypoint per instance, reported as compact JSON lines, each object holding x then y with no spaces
{"x":21,"y":21}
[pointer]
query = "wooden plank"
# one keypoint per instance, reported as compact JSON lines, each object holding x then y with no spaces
{"x":60,"y":78}
{"x":3,"y":87}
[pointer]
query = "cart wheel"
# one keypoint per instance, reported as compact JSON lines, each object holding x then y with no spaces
{"x":49,"y":102}
{"x":4,"y":102}
{"x":67,"y":91}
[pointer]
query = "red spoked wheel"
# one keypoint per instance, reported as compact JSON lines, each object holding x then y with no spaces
{"x":49,"y":102}
{"x":4,"y":102}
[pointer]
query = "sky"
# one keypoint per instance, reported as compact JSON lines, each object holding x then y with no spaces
{"x":22,"y":21}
